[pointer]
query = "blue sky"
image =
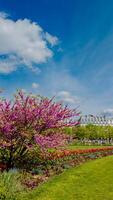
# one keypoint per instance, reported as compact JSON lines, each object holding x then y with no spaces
{"x":60,"y":47}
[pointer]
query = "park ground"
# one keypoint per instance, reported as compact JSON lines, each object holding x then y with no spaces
{"x":90,"y":181}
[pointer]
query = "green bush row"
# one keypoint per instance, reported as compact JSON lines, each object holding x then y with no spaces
{"x":91,"y":132}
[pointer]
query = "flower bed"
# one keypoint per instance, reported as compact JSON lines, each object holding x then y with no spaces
{"x":56,"y":162}
{"x":53,"y":163}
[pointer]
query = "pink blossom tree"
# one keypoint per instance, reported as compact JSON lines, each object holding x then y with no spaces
{"x":23,"y":122}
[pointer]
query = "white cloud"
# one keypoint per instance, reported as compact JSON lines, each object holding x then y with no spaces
{"x":107,"y":112}
{"x":6,"y":68}
{"x":25,"y":40}
{"x":9,"y":64}
{"x":67,"y":97}
{"x":35,"y":85}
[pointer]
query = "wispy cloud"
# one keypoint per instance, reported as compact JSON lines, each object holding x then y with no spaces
{"x":52,"y":40}
{"x":107,"y":112}
{"x":35,"y":85}
{"x":67,"y":97}
{"x":4,"y":15}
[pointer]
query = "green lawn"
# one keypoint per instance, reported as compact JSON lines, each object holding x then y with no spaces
{"x":84,"y":146}
{"x":90,"y":181}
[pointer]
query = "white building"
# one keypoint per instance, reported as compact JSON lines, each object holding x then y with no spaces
{"x":96,"y":120}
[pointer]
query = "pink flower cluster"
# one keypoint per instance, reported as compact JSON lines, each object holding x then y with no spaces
{"x":27,"y":115}
{"x":51,"y":141}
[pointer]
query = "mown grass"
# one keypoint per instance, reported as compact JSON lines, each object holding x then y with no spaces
{"x":84,"y":146}
{"x":90,"y":181}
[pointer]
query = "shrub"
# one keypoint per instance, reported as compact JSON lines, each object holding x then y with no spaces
{"x":23,"y":120}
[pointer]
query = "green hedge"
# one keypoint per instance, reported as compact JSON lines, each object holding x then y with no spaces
{"x":93,"y":132}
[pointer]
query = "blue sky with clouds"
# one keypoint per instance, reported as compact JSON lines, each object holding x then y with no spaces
{"x":60,"y":47}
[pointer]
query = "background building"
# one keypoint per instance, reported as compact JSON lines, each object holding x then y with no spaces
{"x":96,"y":120}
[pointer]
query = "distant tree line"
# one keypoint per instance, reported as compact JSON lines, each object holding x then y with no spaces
{"x":92,"y":133}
